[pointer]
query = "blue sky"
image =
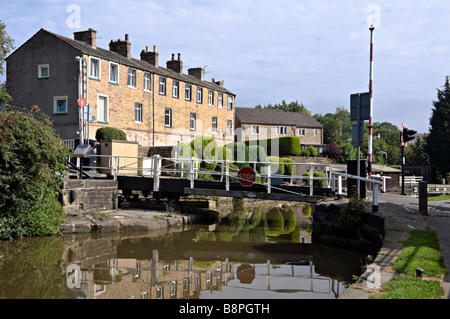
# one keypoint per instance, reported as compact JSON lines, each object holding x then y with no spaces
{"x":313,"y":51}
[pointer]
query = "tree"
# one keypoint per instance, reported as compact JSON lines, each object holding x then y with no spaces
{"x":337,"y":127}
{"x":291,"y":107}
{"x":415,"y":152}
{"x":438,"y":146}
{"x":31,"y":170}
{"x":6,"y":45}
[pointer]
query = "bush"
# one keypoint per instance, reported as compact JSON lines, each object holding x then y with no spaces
{"x":185,"y":151}
{"x":333,"y":151}
{"x":312,"y":151}
{"x":288,"y":166}
{"x":352,"y":213}
{"x":287,"y":145}
{"x":31,"y":170}
{"x":316,"y":183}
{"x":205,"y":148}
{"x":239,"y":153}
{"x":275,"y":220}
{"x":110,"y":133}
{"x":258,"y":154}
{"x":275,"y":167}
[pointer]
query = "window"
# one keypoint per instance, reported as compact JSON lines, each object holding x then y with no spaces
{"x":301,"y":132}
{"x":255,"y":129}
{"x":199,"y":95}
{"x":94,"y":69}
{"x":229,"y":127}
{"x":175,"y":88}
{"x":281,"y":130}
{"x":137,"y":112}
{"x":214,"y":124}
{"x":131,"y":82}
{"x":147,"y":82}
{"x":162,"y":86}
{"x":193,"y":122}
{"x":168,"y":118}
{"x":211,"y":98}
{"x":60,"y":105}
{"x":113,"y":73}
{"x":230,"y":102}
{"x":102,"y":109}
{"x":315,"y":132}
{"x":220,"y":100}
{"x":43,"y":71}
{"x":187,"y":94}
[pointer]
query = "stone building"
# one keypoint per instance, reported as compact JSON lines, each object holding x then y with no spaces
{"x":153,"y":105}
{"x":253,"y":123}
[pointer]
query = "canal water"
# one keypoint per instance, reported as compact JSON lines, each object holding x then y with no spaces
{"x":252,"y":253}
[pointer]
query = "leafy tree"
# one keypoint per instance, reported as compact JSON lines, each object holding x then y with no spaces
{"x":337,"y":127}
{"x":415,"y":152}
{"x":437,"y":145}
{"x":6,"y":45}
{"x":291,"y":107}
{"x":31,"y":167}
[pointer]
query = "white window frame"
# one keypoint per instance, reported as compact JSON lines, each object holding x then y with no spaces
{"x":162,"y":85}
{"x":301,"y":132}
{"x":193,"y":122}
{"x":210,"y":98}
{"x":281,"y":130}
{"x":138,"y":117}
{"x":147,"y":82}
{"x":214,"y":121}
{"x":91,"y":69}
{"x":131,"y":74}
{"x":175,"y":88}
{"x":220,"y":100}
{"x":315,"y":132}
{"x":112,"y":64}
{"x":59,"y":98}
{"x":170,"y":117}
{"x":100,"y":117}
{"x":43,"y":66}
{"x":200,"y":95}
{"x":188,"y":92}
{"x":230,"y":103}
{"x":255,"y":129}
{"x":229,"y":127}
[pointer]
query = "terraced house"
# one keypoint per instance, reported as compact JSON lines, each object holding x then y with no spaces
{"x":153,"y":105}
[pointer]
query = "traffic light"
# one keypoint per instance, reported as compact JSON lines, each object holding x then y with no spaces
{"x":407,"y":135}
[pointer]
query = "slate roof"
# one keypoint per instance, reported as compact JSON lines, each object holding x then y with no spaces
{"x":249,"y":115}
{"x":135,"y":63}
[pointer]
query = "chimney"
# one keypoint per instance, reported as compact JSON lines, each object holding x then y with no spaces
{"x":197,"y":73}
{"x":123,"y":47}
{"x":175,"y":65}
{"x":220,"y":82}
{"x":150,"y":57}
{"x":89,"y":36}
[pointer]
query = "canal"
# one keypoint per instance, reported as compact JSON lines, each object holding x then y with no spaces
{"x":253,"y":252}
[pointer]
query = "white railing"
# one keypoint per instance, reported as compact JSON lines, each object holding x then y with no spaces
{"x":411,"y":180}
{"x":338,"y":188}
{"x":70,"y":143}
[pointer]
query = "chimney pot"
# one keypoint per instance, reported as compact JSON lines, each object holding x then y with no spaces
{"x":173,"y":56}
{"x":126,"y":37}
{"x":146,"y":48}
{"x":154,"y":48}
{"x":179,"y":56}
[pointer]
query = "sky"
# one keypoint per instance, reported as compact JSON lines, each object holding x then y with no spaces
{"x":316,"y":52}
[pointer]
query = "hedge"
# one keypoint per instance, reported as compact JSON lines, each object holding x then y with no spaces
{"x":287,"y":145}
{"x":110,"y":133}
{"x":240,"y":152}
{"x":316,"y":183}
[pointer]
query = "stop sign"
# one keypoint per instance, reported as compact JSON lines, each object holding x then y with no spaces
{"x":246,"y":176}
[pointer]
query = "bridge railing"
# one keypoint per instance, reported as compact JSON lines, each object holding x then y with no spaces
{"x":337,"y":187}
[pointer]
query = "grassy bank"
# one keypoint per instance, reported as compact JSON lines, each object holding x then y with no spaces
{"x":438,"y":198}
{"x":420,"y":250}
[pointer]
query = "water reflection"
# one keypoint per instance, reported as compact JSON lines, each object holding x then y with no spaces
{"x":260,"y":252}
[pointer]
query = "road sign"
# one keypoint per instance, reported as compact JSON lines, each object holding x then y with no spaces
{"x":246,"y":176}
{"x":360,"y":106}
{"x":357,"y":133}
{"x":81,"y":102}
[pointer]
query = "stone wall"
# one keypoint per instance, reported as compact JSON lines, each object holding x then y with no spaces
{"x":367,"y":237}
{"x":89,"y":195}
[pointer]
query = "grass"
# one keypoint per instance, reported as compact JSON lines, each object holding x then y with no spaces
{"x":420,"y":250}
{"x":438,"y":198}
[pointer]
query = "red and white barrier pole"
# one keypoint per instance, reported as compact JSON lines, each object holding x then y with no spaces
{"x":369,"y":152}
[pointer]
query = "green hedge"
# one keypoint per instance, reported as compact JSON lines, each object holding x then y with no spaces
{"x":287,"y":145}
{"x":316,"y":183}
{"x":110,"y":133}
{"x":287,"y":166}
{"x":240,"y":152}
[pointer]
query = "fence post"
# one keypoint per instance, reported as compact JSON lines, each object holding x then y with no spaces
{"x":227,"y":175}
{"x":292,"y":173}
{"x":375,"y":197}
{"x":155,"y":173}
{"x":339,"y":182}
{"x":423,"y":198}
{"x":311,"y":173}
{"x":115,"y":167}
{"x":269,"y":178}
{"x":333,"y":186}
{"x":191,"y":171}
